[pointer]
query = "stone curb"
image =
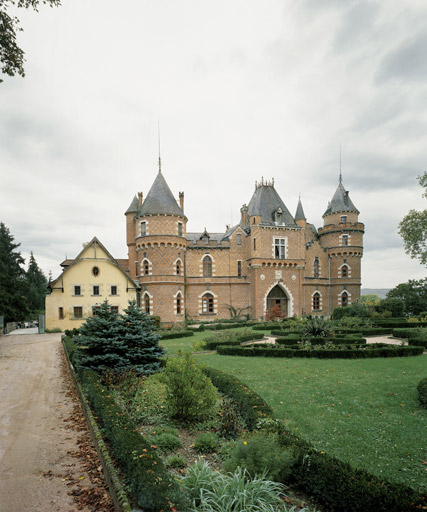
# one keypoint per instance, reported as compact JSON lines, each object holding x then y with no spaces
{"x":118,"y":494}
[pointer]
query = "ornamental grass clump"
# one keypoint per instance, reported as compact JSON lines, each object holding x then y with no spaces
{"x":317,"y":326}
{"x":190,"y":395}
{"x":212,"y":491}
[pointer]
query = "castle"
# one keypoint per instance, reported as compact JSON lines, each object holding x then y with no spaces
{"x":269,"y":259}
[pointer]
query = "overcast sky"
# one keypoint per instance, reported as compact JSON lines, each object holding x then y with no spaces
{"x":242,"y":89}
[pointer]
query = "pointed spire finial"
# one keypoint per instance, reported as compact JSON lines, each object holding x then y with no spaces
{"x":340,"y":167}
{"x":158,"y":134}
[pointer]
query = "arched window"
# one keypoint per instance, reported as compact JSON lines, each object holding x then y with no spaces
{"x":316,"y":267}
{"x":344,"y":299}
{"x":316,"y":301}
{"x":179,"y":304}
{"x":147,"y":304}
{"x":344,"y":271}
{"x":145,"y":268}
{"x":207,"y":266}
{"x":207,"y":303}
{"x":178,"y":268}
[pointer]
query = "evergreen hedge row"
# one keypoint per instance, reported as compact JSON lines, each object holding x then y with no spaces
{"x":409,"y":333}
{"x":223,"y":326}
{"x":396,"y":323}
{"x":419,"y":342}
{"x":211,"y":345}
{"x":378,"y":350}
{"x":173,"y":335}
{"x":149,"y":481}
{"x":290,"y":340}
{"x":422,"y":392}
{"x":251,"y":406}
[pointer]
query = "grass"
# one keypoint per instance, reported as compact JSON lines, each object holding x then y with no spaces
{"x":363,"y":411}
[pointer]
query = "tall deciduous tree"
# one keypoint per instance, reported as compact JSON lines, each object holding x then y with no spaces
{"x":13,"y":301}
{"x":413,"y":229}
{"x":36,"y":286}
{"x":414,"y":295}
{"x":11,"y":55}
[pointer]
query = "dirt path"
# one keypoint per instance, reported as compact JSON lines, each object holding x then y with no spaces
{"x":43,"y":437}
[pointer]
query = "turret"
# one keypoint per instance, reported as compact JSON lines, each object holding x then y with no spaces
{"x":299,"y":215}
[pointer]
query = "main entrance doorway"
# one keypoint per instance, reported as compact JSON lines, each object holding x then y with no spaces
{"x":277,"y":297}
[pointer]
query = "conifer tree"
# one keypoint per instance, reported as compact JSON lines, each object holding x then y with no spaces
{"x":143,"y":349}
{"x":13,"y":302}
{"x":36,"y":286}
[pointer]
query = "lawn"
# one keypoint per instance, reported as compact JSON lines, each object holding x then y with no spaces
{"x":363,"y":411}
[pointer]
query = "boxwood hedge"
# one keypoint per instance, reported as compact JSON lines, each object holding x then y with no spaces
{"x":422,"y":392}
{"x":211,"y":345}
{"x":172,"y":335}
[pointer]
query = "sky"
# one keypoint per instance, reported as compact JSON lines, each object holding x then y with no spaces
{"x":241,"y":89}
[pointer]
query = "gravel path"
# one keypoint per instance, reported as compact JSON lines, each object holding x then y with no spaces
{"x":43,"y":436}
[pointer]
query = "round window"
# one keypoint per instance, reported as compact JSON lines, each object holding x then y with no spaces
{"x":95,"y":271}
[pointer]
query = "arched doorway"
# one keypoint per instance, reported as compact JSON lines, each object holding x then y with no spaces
{"x":278,"y":298}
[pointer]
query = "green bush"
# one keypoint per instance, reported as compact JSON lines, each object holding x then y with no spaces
{"x":190,"y":395}
{"x":419,"y":342}
{"x":228,"y":338}
{"x":317,"y":326}
{"x":165,"y":335}
{"x":165,"y":441}
{"x":230,"y":424}
{"x":409,"y":333}
{"x":206,"y":443}
{"x":176,"y":461}
{"x":211,"y":491}
{"x":149,"y":482}
{"x":148,"y":405}
{"x":261,"y":454}
{"x":251,"y":406}
{"x":422,"y":392}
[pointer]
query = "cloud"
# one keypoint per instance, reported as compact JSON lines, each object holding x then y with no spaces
{"x":407,"y":62}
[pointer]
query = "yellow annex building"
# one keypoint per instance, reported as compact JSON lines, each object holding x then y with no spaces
{"x":269,"y":259}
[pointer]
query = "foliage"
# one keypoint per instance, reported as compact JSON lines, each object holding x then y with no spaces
{"x":274,"y":313}
{"x":422,"y":392}
{"x":395,"y":305}
{"x":230,"y":424}
{"x":165,"y":439}
{"x":176,"y":461}
{"x":230,"y":338}
{"x":190,"y":395}
{"x":370,"y":299}
{"x":357,"y":309}
{"x":250,"y":405}
{"x":148,"y":405}
{"x":36,"y":284}
{"x":413,"y":229}
{"x":260,"y":454}
{"x":147,"y":478}
{"x":109,"y":341}
{"x":413,"y":293}
{"x":165,"y":335}
{"x":11,"y":55}
{"x":211,"y":491}
{"x":207,"y":442}
{"x":236,"y":313}
{"x":317,"y":326}
{"x":13,"y":301}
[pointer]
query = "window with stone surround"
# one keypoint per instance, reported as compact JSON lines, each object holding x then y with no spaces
{"x":344,"y":240}
{"x":344,"y":299}
{"x":207,"y":303}
{"x":147,"y":304}
{"x":239,"y":238}
{"x":179,"y":228}
{"x":279,"y":248}
{"x":113,"y":290}
{"x":207,"y":266}
{"x":143,"y":228}
{"x":77,"y":290}
{"x":239,"y":268}
{"x":316,"y":267}
{"x":344,"y":271}
{"x":95,"y":290}
{"x":316,"y":301}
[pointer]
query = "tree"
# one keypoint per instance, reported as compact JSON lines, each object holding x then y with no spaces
{"x":414,"y":295}
{"x":395,"y":305}
{"x":11,"y":55}
{"x":413,"y":229}
{"x":370,"y":299}
{"x":36,"y":284}
{"x":13,"y":303}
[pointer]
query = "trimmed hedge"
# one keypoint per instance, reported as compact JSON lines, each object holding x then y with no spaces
{"x":251,"y":406}
{"x":222,"y":327}
{"x":322,"y":341}
{"x":409,"y":333}
{"x":211,"y":345}
{"x":173,"y":335}
{"x":396,"y":323}
{"x":149,"y":481}
{"x":332,"y":482}
{"x":419,"y":342}
{"x":378,"y":350}
{"x":285,"y":332}
{"x":422,"y":392}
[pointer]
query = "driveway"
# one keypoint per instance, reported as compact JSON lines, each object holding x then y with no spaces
{"x":39,"y":443}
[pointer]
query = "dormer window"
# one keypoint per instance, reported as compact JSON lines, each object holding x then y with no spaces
{"x":278,"y":216}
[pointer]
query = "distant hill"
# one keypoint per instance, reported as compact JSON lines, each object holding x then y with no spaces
{"x":381,"y":292}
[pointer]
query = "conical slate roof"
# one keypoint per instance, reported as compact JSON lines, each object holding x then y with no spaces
{"x":160,"y":200}
{"x":133,"y":207}
{"x":299,"y":215}
{"x":340,"y":202}
{"x":265,"y":202}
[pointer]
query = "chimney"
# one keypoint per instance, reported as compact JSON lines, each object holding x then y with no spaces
{"x":139,"y":199}
{"x":244,"y":215}
{"x":181,"y":200}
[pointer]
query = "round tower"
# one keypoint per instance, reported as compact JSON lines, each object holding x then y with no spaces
{"x":342,"y":237}
{"x":160,"y":241}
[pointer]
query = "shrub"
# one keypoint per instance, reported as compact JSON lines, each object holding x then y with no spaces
{"x":176,"y":461}
{"x":211,"y":491}
{"x":317,"y":326}
{"x":206,"y":443}
{"x":261,"y":454}
{"x":165,"y":441}
{"x":229,"y":421}
{"x":190,"y":395}
{"x":148,"y":405}
{"x":422,"y":392}
{"x":231,"y":338}
{"x":165,"y":335}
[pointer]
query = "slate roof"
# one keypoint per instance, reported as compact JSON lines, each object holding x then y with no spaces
{"x":160,"y":200}
{"x":265,"y":202}
{"x":133,"y":207}
{"x":340,"y":202}
{"x":299,"y":215}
